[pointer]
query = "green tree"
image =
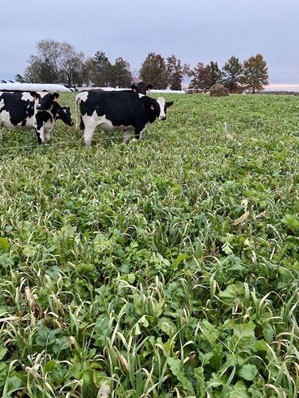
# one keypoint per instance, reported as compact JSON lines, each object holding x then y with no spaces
{"x":175,"y":72}
{"x":232,"y":73}
{"x":154,"y":71}
{"x":215,"y":72}
{"x":255,"y":73}
{"x":200,"y":77}
{"x":40,"y":71}
{"x":120,"y":73}
{"x":100,"y":73}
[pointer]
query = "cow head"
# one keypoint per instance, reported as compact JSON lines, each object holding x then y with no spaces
{"x":141,"y":88}
{"x":163,"y":105}
{"x":63,"y":113}
{"x":45,"y":102}
{"x":157,"y":108}
{"x":34,"y":94}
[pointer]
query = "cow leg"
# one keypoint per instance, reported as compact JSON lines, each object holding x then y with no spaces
{"x":38,"y":137}
{"x":47,"y":135}
{"x":90,"y":126}
{"x":138,"y":132}
{"x":42,"y":134}
{"x":127,"y":136}
{"x":88,"y":133}
{"x":40,"y":131}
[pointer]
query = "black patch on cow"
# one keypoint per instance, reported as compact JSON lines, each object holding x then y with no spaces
{"x":46,"y":102}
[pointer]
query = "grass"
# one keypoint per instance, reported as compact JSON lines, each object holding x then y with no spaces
{"x":165,"y":268}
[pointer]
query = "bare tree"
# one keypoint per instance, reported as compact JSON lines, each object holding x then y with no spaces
{"x":56,"y":62}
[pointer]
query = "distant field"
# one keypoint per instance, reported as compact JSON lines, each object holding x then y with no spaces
{"x":165,"y":268}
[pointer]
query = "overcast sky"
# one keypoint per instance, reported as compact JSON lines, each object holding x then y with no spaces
{"x":193,"y":30}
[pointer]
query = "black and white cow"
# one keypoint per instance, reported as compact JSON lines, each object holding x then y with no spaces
{"x":141,"y":88}
{"x":26,"y":110}
{"x":45,"y":121}
{"x":117,"y":110}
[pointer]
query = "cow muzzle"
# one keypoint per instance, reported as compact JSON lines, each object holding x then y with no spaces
{"x":162,"y":117}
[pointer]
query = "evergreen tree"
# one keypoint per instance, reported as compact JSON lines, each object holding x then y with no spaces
{"x":120,"y":73}
{"x":232,"y":72}
{"x":175,"y":71}
{"x":100,"y":74}
{"x":215,"y":72}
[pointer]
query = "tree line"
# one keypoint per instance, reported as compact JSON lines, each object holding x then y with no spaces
{"x":59,"y":62}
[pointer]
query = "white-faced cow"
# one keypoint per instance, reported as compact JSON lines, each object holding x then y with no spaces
{"x":117,"y":110}
{"x":27,"y":110}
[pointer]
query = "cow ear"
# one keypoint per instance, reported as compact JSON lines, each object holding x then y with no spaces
{"x":168,"y":104}
{"x":55,"y":96}
{"x":34,"y":94}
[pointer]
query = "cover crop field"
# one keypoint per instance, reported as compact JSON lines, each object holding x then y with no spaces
{"x":165,"y":268}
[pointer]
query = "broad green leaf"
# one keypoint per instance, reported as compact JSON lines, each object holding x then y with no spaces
{"x":209,"y":331}
{"x":3,"y":351}
{"x":177,"y":369}
{"x":14,"y":383}
{"x":4,"y":244}
{"x":248,"y":372}
{"x":244,"y":330}
{"x":231,"y":293}
{"x":167,"y":326}
{"x":239,"y":390}
{"x":291,"y":221}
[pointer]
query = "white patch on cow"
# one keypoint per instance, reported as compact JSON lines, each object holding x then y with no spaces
{"x":82,"y":96}
{"x":27,"y":97}
{"x":141,"y":95}
{"x":94,"y":121}
{"x":5,"y":119}
{"x":161,"y":102}
{"x":48,"y":128}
